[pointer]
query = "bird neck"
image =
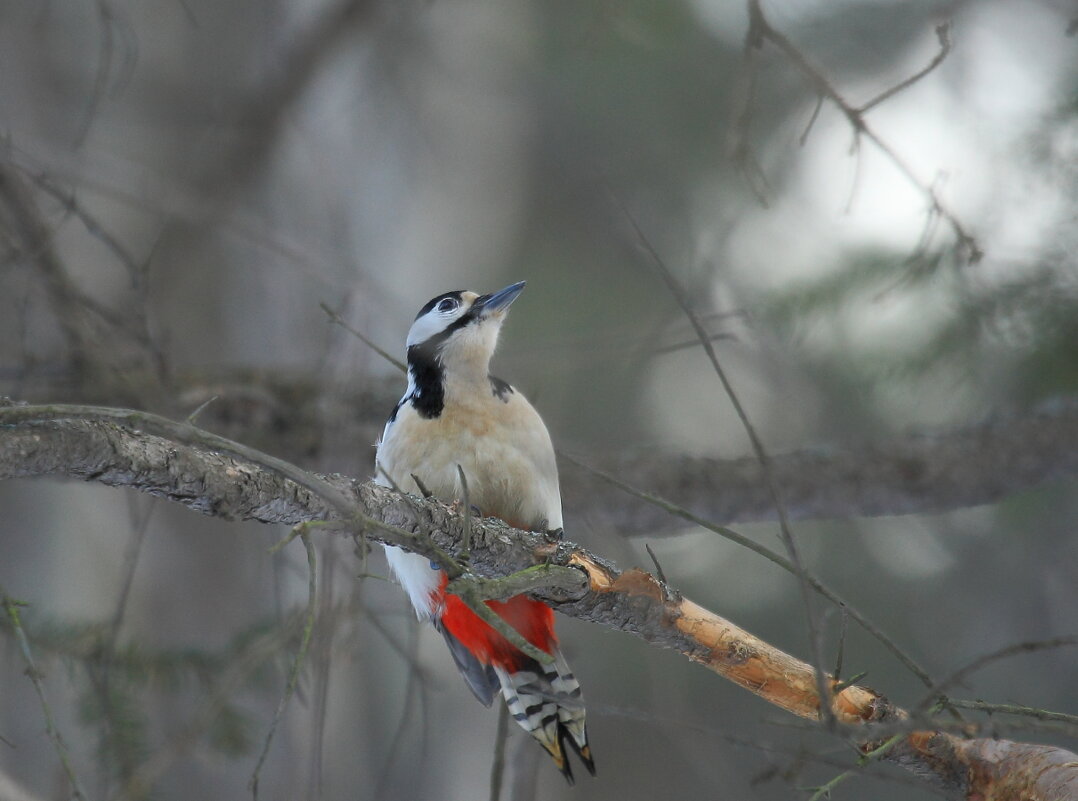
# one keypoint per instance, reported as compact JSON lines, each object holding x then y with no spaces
{"x":438,"y":376}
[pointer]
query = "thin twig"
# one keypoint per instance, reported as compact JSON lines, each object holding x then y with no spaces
{"x":334,"y":317}
{"x":812,"y":121}
{"x":413,"y":689}
{"x":93,"y":226}
{"x":11,"y":608}
{"x":322,"y":661}
{"x":824,"y":790}
{"x":191,"y":418}
{"x":738,"y":140}
{"x":466,"y":547}
{"x":500,"y":625}
{"x":497,"y":767}
{"x":959,"y":675}
{"x":475,"y":591}
{"x":943,"y":33}
{"x":841,"y":641}
{"x":426,"y":493}
{"x":852,"y":680}
{"x":761,"y":456}
{"x":655,"y":561}
{"x":381,"y":471}
{"x":679,"y":511}
{"x":297,"y":663}
{"x":103,"y":678}
{"x":856,"y":118}
{"x":1015,"y":709}
{"x":246,"y":661}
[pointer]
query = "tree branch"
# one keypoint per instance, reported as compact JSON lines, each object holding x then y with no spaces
{"x":915,"y":474}
{"x":761,"y":30}
{"x":919,"y":473}
{"x":223,"y":478}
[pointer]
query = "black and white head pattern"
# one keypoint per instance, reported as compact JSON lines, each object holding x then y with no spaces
{"x":438,"y":315}
{"x":450,"y":330}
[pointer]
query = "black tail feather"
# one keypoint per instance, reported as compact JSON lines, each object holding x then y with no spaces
{"x":584,"y":753}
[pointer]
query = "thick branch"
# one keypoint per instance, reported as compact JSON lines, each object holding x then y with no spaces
{"x":119,"y":447}
{"x":917,"y":474}
{"x":931,"y":472}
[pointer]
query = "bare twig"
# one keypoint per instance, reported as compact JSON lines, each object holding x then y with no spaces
{"x":497,"y":766}
{"x":841,"y":641}
{"x":801,"y":140}
{"x":467,"y":547}
{"x":415,"y":688}
{"x":254,"y":654}
{"x":732,"y":535}
{"x":758,"y":448}
{"x":851,"y":681}
{"x":110,"y":25}
{"x":191,"y":418}
{"x":762,"y":29}
{"x":943,"y":33}
{"x":20,"y":214}
{"x":1015,"y":709}
{"x":93,"y":226}
{"x":322,"y":661}
{"x":959,"y":675}
{"x":655,"y":561}
{"x":334,"y":317}
{"x":102,"y":678}
{"x":11,"y":609}
{"x":297,"y":663}
{"x":426,"y":493}
{"x":738,"y":140}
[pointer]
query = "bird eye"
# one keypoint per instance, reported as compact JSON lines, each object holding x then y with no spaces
{"x":447,"y":305}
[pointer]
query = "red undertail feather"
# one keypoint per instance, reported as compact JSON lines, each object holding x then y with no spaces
{"x":545,"y":700}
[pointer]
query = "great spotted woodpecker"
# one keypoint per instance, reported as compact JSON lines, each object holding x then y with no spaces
{"x":455,"y":413}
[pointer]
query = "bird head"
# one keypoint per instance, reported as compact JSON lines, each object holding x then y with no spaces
{"x":459,"y":330}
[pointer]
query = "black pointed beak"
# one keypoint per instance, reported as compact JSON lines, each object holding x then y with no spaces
{"x":500,"y":300}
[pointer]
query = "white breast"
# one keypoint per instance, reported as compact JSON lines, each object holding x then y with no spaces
{"x":503,"y":448}
{"x":507,"y":457}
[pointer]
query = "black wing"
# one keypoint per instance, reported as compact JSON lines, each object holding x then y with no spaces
{"x":481,"y":678}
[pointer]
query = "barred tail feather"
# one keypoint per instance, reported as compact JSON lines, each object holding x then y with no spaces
{"x":571,"y":715}
{"x":546,"y":702}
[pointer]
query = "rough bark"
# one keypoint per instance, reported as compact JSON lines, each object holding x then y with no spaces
{"x":913,"y":474}
{"x":215,"y":476}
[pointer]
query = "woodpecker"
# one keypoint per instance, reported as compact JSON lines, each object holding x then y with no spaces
{"x":455,"y":413}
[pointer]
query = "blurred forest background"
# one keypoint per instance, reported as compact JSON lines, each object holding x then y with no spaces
{"x":184,"y":182}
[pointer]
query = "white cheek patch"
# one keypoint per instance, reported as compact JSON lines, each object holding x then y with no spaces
{"x":431,"y":323}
